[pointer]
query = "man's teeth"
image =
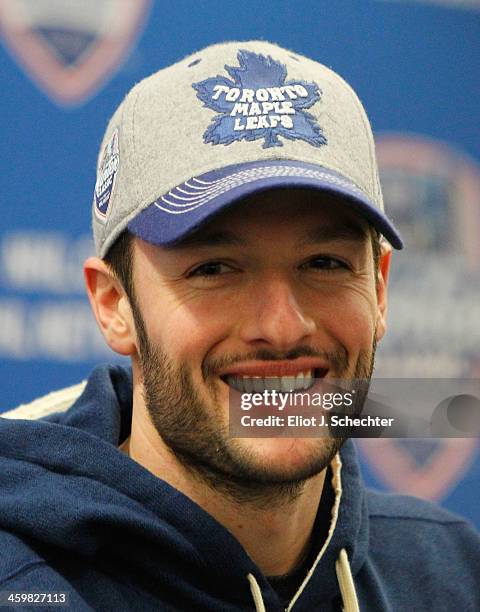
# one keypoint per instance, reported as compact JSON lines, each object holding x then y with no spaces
{"x":253,"y":384}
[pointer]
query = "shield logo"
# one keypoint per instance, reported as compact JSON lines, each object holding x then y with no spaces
{"x":70,"y":49}
{"x":426,"y":468}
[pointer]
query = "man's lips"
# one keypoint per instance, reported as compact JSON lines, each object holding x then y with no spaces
{"x":284,"y":376}
{"x":264,"y":369}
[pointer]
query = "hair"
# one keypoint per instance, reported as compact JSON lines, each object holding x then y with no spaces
{"x":120,"y":258}
{"x":377,"y":239}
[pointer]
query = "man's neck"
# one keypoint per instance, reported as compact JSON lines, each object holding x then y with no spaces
{"x":276,"y":536}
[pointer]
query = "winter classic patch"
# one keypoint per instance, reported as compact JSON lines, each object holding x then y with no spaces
{"x":258,"y":102}
{"x":107,"y":172}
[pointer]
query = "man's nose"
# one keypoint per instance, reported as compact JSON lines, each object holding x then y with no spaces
{"x":276,"y":317}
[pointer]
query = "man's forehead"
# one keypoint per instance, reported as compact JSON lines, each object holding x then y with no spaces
{"x":308,"y":217}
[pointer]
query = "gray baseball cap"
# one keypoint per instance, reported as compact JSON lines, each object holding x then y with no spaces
{"x":232,"y":120}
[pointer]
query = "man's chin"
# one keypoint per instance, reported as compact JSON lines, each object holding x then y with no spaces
{"x":283,"y":460}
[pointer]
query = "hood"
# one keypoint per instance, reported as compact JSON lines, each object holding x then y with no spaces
{"x":66,"y":487}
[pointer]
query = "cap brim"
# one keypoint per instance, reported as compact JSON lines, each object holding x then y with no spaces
{"x":180,"y":211}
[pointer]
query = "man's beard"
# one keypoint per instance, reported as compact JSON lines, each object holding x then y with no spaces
{"x":197,"y":433}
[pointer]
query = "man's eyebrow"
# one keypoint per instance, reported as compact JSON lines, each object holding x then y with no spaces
{"x":328,"y":233}
{"x":218,"y":238}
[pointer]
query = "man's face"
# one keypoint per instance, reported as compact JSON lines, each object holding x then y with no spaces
{"x":279,"y":284}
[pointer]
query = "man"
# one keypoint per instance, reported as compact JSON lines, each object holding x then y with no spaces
{"x":237,"y":217}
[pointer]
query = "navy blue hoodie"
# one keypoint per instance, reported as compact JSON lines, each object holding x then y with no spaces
{"x":78,"y":515}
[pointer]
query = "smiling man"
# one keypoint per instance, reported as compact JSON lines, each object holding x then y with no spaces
{"x":241,"y":246}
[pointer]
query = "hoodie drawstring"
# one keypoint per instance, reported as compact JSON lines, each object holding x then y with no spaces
{"x":345,"y":582}
{"x":342,"y":565}
{"x":256,"y":594}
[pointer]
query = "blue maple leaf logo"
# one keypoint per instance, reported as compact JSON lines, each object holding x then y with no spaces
{"x":258,"y":102}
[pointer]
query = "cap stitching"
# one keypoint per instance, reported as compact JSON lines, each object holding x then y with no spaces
{"x":249,"y":176}
{"x":244,"y":176}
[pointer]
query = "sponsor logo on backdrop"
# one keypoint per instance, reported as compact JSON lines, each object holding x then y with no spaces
{"x":431,"y":191}
{"x":258,"y":102}
{"x":71,"y":48}
{"x":44,"y":313}
{"x":421,"y":467}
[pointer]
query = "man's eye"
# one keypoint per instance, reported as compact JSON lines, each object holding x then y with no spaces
{"x":325,"y":263}
{"x":209,"y":269}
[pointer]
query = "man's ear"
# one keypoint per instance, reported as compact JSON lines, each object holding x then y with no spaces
{"x":382,"y":285}
{"x":110,"y":306}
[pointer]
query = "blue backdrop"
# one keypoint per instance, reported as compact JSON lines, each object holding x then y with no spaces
{"x":416,"y":67}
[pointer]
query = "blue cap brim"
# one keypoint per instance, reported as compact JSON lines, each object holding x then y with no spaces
{"x":176,"y":214}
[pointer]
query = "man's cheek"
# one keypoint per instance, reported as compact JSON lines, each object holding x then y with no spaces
{"x":352,"y":322}
{"x":181,"y":335}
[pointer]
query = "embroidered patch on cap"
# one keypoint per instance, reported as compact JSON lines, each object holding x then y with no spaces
{"x":106,"y":175}
{"x":258,"y":102}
